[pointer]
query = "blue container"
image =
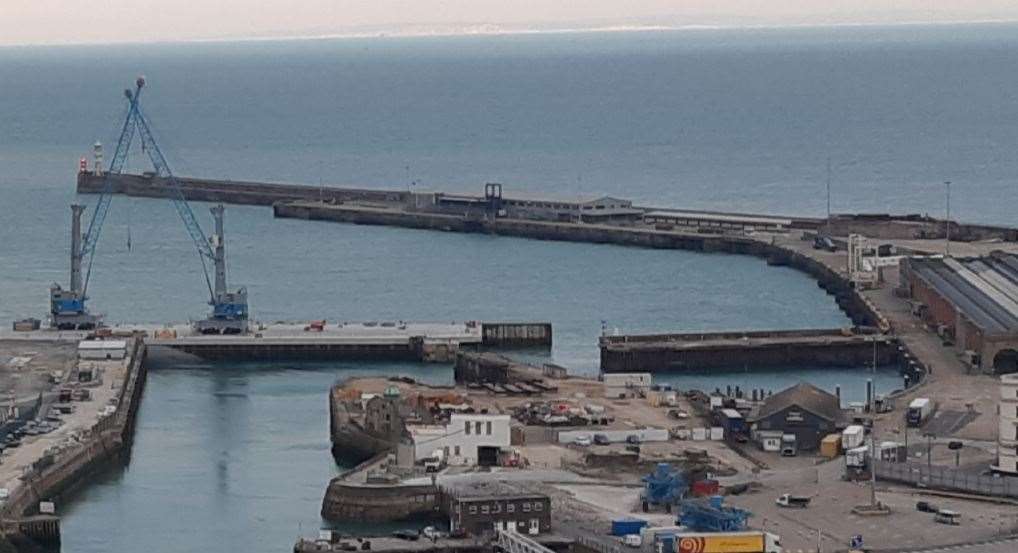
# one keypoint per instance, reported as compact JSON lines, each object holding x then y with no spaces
{"x":628,"y":525}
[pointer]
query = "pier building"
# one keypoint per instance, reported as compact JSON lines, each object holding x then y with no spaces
{"x":972,"y":303}
{"x":1007,"y":436}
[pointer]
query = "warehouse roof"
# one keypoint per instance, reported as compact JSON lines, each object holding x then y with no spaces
{"x":983,"y":289}
{"x":805,"y":396}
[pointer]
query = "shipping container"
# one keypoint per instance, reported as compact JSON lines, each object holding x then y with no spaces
{"x":853,"y":436}
{"x":628,"y":525}
{"x":830,"y":446}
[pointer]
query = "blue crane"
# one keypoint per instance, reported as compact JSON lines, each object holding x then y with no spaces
{"x":229,"y":309}
{"x":67,"y":307}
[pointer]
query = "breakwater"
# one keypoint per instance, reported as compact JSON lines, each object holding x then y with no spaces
{"x":856,"y":306}
{"x":107,"y":441}
{"x":230,"y":191}
{"x":738,"y":350}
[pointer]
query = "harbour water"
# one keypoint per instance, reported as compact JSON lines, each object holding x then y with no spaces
{"x":734,"y":120}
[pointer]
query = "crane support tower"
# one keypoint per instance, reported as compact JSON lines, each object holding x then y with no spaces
{"x":67,"y":307}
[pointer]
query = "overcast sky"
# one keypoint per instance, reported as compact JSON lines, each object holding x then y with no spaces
{"x":92,"y":21}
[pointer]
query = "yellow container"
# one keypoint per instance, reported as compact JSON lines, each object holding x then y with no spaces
{"x":830,"y":446}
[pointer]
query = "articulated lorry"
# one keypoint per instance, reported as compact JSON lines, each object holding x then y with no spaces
{"x":720,"y":542}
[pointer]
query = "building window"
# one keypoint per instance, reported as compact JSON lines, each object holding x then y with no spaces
{"x":466,"y":427}
{"x":526,"y":507}
{"x":496,"y":508}
{"x":794,"y":416}
{"x":473,"y":509}
{"x":485,"y":509}
{"x":487,"y":429}
{"x":510,"y":507}
{"x":538,"y":506}
{"x":457,"y":450}
{"x":477,"y":428}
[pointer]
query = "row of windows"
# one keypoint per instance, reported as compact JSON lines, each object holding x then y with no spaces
{"x":496,"y":508}
{"x":477,"y":427}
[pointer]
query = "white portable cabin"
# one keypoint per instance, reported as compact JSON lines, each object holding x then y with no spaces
{"x":102,"y":349}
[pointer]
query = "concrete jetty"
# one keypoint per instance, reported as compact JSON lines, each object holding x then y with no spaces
{"x":756,"y":349}
{"x":324,"y":341}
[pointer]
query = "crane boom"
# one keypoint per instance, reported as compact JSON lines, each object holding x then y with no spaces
{"x":67,"y":307}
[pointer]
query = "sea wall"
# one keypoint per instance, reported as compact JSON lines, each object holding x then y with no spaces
{"x":229,"y":191}
{"x":355,"y":502}
{"x":108,"y":441}
{"x":349,"y":440}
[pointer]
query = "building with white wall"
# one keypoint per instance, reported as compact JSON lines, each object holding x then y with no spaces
{"x":1007,"y":435}
{"x":624,"y":385}
{"x":468,"y":439}
{"x":102,"y":349}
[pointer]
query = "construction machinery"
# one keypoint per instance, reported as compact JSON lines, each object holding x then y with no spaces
{"x":712,"y":515}
{"x":663,"y":487}
{"x":229,"y":309}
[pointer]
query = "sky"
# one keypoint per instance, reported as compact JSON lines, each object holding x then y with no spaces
{"x":111,"y":21}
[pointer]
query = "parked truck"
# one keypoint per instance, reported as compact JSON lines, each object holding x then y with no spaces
{"x":918,"y":411}
{"x":793,"y":501}
{"x":722,"y":542}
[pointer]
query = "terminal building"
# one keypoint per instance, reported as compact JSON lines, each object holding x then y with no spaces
{"x":972,"y":303}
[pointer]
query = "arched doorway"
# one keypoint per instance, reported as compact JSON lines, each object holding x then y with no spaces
{"x":1006,"y":361}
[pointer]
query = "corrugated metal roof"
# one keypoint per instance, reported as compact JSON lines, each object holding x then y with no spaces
{"x":984,"y":289}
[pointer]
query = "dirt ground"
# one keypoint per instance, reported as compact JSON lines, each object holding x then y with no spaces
{"x":26,"y":366}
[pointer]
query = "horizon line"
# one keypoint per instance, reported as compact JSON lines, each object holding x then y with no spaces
{"x":494,"y":30}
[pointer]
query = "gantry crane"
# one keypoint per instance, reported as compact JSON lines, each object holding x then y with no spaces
{"x":229,"y":309}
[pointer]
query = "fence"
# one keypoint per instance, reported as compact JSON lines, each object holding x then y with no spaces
{"x":946,"y":478}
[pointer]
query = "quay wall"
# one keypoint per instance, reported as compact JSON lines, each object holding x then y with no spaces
{"x":664,"y":357}
{"x":108,"y":441}
{"x":356,"y":502}
{"x":349,"y":439}
{"x":229,"y":191}
{"x":253,"y":350}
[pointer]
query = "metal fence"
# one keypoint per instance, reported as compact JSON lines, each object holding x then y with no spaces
{"x":946,"y":478}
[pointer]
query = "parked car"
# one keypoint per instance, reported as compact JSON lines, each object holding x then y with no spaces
{"x":583,"y":440}
{"x":601,"y":439}
{"x":926,"y":507}
{"x":945,"y":516}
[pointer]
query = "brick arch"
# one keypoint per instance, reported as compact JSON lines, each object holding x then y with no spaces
{"x":1005,"y":361}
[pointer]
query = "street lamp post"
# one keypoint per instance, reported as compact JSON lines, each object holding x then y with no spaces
{"x":947,"y":246}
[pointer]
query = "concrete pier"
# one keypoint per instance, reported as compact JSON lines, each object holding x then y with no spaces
{"x":387,"y":340}
{"x":745,"y":350}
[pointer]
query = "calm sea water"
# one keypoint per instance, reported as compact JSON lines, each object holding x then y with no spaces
{"x":725,"y":120}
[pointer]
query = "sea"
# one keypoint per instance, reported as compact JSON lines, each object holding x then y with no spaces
{"x":237,"y":455}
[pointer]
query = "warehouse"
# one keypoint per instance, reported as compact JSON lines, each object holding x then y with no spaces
{"x":803,"y":410}
{"x":972,"y":302}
